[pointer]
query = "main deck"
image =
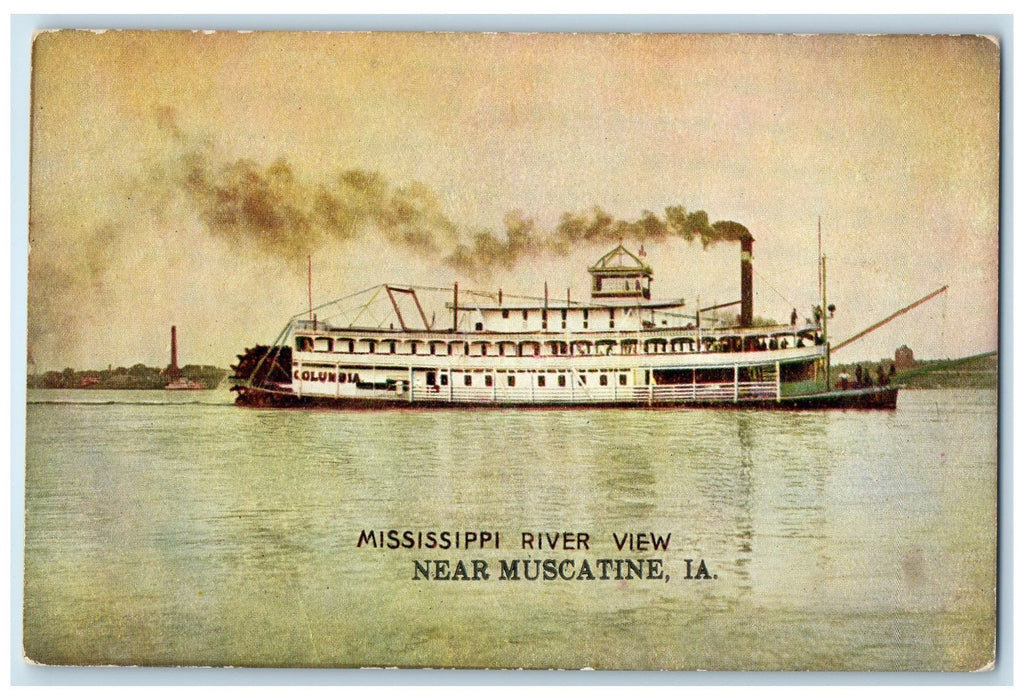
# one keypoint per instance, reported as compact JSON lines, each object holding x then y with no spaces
{"x":598,"y":368}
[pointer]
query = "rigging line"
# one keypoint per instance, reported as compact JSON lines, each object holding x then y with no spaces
{"x":275,"y":349}
{"x":942,"y":326}
{"x":339,"y":299}
{"x":367,"y":304}
{"x":772,"y":287}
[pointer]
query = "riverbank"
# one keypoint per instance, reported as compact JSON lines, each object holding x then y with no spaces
{"x":975,"y":372}
{"x":137,"y":377}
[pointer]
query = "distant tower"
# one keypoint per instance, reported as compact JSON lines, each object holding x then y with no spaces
{"x":904,"y":358}
{"x":173,"y":372}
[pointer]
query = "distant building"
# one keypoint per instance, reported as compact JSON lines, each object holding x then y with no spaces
{"x":904,"y":358}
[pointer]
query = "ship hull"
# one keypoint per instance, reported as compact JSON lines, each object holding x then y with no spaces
{"x":878,"y":398}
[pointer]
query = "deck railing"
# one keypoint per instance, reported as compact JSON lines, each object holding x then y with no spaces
{"x":656,"y":341}
{"x":723,"y":391}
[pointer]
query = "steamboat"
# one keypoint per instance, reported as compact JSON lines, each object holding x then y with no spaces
{"x":620,"y":348}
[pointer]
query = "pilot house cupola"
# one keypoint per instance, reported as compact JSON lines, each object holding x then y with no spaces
{"x":620,"y":275}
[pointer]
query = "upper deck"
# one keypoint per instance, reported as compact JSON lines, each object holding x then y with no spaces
{"x":517,"y":349}
{"x":619,"y":320}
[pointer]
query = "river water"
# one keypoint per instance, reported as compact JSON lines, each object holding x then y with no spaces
{"x":172,"y":528}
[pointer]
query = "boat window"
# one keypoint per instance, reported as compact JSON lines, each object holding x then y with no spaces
{"x":323,"y":345}
{"x":488,"y":380}
{"x":412,"y":348}
{"x":373,"y":346}
{"x":526,"y":314}
{"x":467,"y":379}
{"x":622,"y":380}
{"x":504,"y":313}
{"x":444,"y":380}
{"x":565,"y":312}
{"x":561,"y":380}
{"x":479,"y":326}
{"x":511,"y":380}
{"x":583,"y":379}
{"x":541,"y":380}
{"x":604,"y":380}
{"x":303,"y":344}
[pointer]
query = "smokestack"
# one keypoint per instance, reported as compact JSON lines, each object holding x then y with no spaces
{"x":746,"y":281}
{"x":455,"y":310}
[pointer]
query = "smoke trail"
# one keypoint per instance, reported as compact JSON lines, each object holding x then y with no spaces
{"x":61,"y":287}
{"x":275,"y":210}
{"x":522,"y":239}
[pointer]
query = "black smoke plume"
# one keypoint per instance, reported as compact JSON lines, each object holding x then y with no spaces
{"x":275,"y":210}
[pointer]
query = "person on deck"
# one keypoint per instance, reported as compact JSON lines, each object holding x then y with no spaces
{"x":844,"y":380}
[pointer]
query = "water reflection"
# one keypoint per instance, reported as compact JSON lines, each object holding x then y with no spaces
{"x":208,"y":534}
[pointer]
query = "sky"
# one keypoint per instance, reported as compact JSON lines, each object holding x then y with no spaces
{"x":187,"y":179}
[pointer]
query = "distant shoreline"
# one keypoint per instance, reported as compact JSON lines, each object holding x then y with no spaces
{"x":135,"y":378}
{"x":975,"y":372}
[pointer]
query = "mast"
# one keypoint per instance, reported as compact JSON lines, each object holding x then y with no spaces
{"x":824,"y":304}
{"x":824,"y":328}
{"x":820,"y":281}
{"x":823,"y":298}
